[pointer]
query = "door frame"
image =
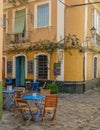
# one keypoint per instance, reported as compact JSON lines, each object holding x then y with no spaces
{"x":14,"y":65}
{"x":5,"y":65}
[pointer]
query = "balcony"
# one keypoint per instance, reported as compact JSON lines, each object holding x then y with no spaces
{"x":15,"y":39}
{"x":96,"y":40}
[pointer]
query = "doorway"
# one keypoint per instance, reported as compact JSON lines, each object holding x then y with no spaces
{"x":20,"y":71}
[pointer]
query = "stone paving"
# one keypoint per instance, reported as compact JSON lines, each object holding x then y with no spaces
{"x":75,"y":112}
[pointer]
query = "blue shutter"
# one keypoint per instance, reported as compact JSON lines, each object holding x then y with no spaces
{"x":43,"y":15}
{"x":17,"y":71}
{"x":22,"y":72}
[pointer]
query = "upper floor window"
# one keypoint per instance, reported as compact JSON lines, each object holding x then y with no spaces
{"x":19,"y":25}
{"x":96,"y":20}
{"x":42,"y":14}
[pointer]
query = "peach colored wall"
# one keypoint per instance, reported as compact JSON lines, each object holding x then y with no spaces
{"x":46,"y":33}
{"x":38,"y":33}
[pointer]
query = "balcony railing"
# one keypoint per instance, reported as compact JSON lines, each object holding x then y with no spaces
{"x":96,"y":40}
{"x":16,"y":38}
{"x":13,"y":39}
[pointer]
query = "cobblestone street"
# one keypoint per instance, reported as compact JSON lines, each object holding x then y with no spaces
{"x":75,"y":112}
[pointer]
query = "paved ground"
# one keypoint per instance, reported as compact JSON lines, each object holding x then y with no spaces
{"x":75,"y":112}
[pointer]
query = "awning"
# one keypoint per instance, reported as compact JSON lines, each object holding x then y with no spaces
{"x":19,"y":23}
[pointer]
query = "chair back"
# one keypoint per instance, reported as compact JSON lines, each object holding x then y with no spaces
{"x":21,"y":89}
{"x":35,"y":86}
{"x":9,"y":81}
{"x":23,"y":104}
{"x":16,"y":97}
{"x":51,"y":101}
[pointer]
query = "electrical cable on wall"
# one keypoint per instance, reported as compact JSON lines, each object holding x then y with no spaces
{"x":76,"y":5}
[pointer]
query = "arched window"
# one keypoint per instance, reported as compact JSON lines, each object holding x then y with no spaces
{"x":95,"y":68}
{"x":42,"y":67}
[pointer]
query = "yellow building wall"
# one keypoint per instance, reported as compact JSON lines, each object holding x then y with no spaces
{"x":74,"y":24}
{"x":98,"y":66}
{"x":90,"y":8}
{"x":30,"y":56}
{"x":74,"y":19}
{"x":89,"y":66}
{"x":73,"y":65}
{"x":90,"y":58}
{"x":53,"y":60}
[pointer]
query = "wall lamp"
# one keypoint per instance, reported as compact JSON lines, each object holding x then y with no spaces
{"x":93,"y":33}
{"x":93,"y":30}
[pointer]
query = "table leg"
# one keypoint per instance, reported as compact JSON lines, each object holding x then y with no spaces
{"x":11,"y":101}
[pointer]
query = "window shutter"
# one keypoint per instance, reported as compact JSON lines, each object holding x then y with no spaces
{"x":19,"y":23}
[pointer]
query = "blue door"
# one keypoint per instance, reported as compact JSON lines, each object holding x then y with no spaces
{"x":20,"y":71}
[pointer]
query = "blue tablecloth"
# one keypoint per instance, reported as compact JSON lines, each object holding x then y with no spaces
{"x":8,"y":91}
{"x":31,"y":97}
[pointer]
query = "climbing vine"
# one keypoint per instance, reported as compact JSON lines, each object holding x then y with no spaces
{"x":68,"y":42}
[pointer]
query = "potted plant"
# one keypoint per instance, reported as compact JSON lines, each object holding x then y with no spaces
{"x":53,"y":88}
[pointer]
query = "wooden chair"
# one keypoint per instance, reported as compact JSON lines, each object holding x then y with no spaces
{"x":26,"y":111}
{"x":49,"y":109}
{"x":17,"y":96}
{"x":45,"y":91}
{"x":20,"y":89}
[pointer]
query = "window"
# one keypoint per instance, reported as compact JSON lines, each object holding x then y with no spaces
{"x":9,"y":67}
{"x":96,"y":20}
{"x":30,"y":67}
{"x":95,"y":68}
{"x":96,"y":25}
{"x":4,"y":21}
{"x":42,"y":67}
{"x":19,"y":25}
{"x":94,"y":15}
{"x":43,"y":15}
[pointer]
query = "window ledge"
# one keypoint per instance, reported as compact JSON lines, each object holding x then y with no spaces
{"x":49,"y":27}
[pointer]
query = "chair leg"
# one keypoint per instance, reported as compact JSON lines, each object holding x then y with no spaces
{"x":53,"y":118}
{"x":28,"y":121}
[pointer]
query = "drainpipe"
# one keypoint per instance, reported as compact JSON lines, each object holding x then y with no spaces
{"x":1,"y":41}
{"x":84,"y":72}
